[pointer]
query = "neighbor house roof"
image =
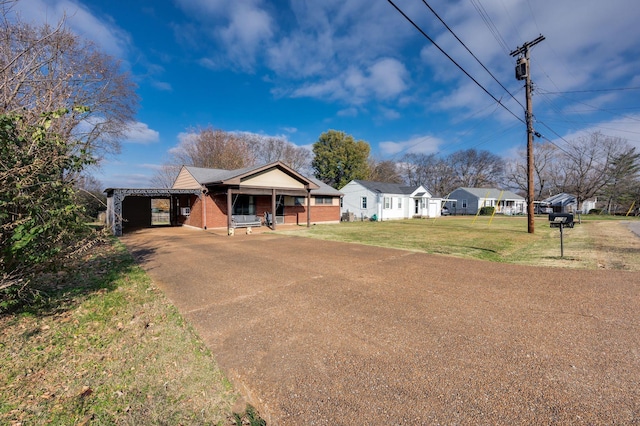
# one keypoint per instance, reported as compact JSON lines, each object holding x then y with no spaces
{"x":324,"y":189}
{"x":560,"y":199}
{"x":494,"y":193}
{"x":387,"y":188}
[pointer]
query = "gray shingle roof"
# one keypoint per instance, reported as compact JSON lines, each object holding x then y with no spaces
{"x":387,"y":188}
{"x":324,"y":188}
{"x":205,"y":175}
{"x":492,"y":193}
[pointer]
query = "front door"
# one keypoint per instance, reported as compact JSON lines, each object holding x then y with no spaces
{"x":417,"y":209}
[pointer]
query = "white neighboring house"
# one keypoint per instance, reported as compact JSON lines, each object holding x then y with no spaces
{"x":470,"y":200}
{"x":387,"y":201}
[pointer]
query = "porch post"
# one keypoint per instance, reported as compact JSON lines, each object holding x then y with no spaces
{"x":308,"y":208}
{"x":229,"y":208}
{"x":203,"y":197}
{"x":273,"y":209}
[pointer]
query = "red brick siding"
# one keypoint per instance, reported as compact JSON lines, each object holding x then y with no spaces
{"x":217,"y":212}
{"x":195,"y":218}
{"x":324,"y":214}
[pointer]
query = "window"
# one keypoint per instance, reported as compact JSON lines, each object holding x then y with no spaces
{"x":387,"y":202}
{"x":399,"y":203}
{"x":324,"y":200}
{"x":464,"y":204}
{"x":299,"y":201}
{"x":244,"y":204}
{"x":363,"y":203}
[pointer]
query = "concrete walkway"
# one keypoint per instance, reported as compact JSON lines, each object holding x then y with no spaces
{"x":324,"y":333}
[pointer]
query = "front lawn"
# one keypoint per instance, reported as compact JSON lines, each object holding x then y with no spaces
{"x":593,"y":244}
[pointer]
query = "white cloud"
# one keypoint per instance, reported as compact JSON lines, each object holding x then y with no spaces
{"x":184,"y":139}
{"x":627,"y":128}
{"x":239,"y":29}
{"x":140,"y":133}
{"x":415,"y":145}
{"x":348,"y":112}
{"x":382,"y":80}
{"x":104,"y":32}
{"x":162,"y":85}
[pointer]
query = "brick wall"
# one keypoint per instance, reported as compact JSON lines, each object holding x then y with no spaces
{"x":217,"y":212}
{"x":319,"y":214}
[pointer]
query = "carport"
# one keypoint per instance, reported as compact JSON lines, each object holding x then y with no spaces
{"x":132,"y":206}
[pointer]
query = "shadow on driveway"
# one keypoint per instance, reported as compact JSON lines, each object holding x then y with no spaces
{"x":327,"y":333}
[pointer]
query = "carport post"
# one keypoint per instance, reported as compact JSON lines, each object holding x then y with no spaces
{"x":308,"y":208}
{"x":273,"y":209}
{"x":229,"y":209}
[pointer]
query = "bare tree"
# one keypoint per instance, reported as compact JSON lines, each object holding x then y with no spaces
{"x":270,"y":149}
{"x":45,"y":68}
{"x":165,"y":176}
{"x":476,"y":169}
{"x":546,"y":159}
{"x":429,"y":170}
{"x":216,"y":149}
{"x":384,"y":171}
{"x":585,"y":165}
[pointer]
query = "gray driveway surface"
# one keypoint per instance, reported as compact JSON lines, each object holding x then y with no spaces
{"x":327,"y":333}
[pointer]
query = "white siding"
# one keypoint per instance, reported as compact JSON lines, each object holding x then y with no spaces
{"x":352,"y":199}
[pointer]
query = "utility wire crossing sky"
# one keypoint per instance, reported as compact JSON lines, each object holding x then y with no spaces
{"x":407,"y":76}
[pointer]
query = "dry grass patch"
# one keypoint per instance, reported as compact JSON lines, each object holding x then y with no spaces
{"x":107,"y":348}
{"x":593,"y":244}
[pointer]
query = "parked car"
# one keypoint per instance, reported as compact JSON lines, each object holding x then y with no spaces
{"x":445,"y":211}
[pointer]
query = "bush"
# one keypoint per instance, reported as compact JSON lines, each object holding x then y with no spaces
{"x":487,"y":211}
{"x":40,"y":221}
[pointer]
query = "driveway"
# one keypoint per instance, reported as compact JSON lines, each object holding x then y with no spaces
{"x":324,"y":333}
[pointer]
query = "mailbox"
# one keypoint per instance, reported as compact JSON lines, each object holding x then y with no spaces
{"x":558,"y":220}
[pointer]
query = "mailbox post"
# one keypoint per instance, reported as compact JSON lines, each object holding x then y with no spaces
{"x":560,"y":220}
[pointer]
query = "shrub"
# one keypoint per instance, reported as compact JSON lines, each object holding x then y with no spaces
{"x":39,"y":219}
{"x":487,"y":211}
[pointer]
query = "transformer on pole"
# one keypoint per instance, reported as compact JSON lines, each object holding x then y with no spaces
{"x":522,"y":73}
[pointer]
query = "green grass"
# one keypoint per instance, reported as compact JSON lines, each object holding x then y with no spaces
{"x":501,"y":239}
{"x":102,"y":345}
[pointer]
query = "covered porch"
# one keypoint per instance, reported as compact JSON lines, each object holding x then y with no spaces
{"x":268,"y":195}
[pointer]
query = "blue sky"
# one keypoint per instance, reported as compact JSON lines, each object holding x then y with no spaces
{"x":295,"y":69}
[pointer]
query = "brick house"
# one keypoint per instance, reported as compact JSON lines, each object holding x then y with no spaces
{"x":231,"y":198}
{"x":214,"y":198}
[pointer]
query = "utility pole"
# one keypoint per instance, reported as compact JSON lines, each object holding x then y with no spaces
{"x":522,"y":73}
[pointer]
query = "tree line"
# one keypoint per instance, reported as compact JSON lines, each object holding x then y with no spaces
{"x":591,"y":166}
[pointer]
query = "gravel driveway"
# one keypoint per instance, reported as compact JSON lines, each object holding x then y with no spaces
{"x":323,"y":333}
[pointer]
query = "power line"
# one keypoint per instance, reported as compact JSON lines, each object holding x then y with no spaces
{"x":595,"y":108}
{"x":592,"y":90}
{"x":490,"y":25}
{"x":471,"y":53}
{"x":416,"y":26}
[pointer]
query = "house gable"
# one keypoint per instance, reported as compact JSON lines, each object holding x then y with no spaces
{"x":273,"y":178}
{"x":420,"y":192}
{"x":185,"y":180}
